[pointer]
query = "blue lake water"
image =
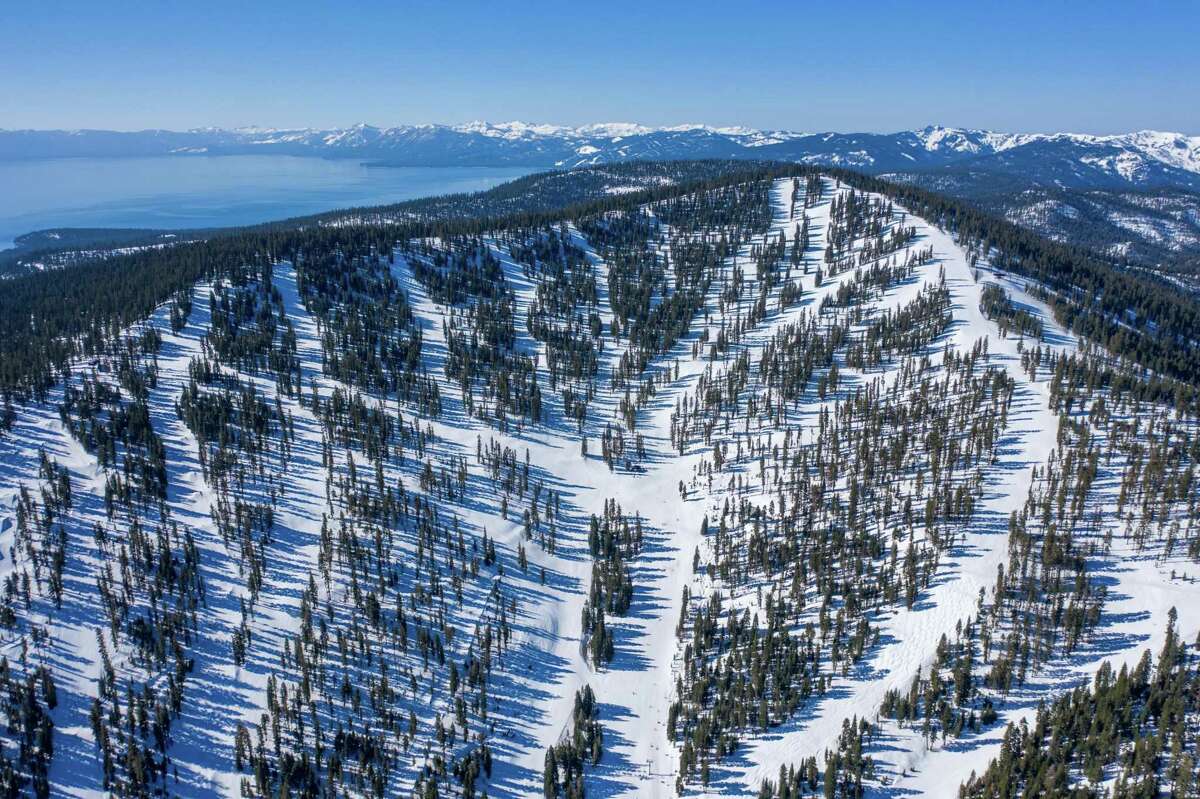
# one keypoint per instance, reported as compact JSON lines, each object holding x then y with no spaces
{"x":216,"y":191}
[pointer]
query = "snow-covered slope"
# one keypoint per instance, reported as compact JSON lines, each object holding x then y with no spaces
{"x":1154,"y":228}
{"x":744,"y":464}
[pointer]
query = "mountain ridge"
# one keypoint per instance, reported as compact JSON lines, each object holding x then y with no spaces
{"x":1140,"y":159}
{"x":757,"y":480}
{"x":1134,"y":197}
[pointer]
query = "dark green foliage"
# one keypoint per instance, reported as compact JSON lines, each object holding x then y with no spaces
{"x":613,"y":539}
{"x":27,"y":705}
{"x":996,"y":304}
{"x":1136,"y":726}
{"x":1133,"y":314}
{"x":47,"y":318}
{"x":845,"y":769}
{"x":581,"y":745}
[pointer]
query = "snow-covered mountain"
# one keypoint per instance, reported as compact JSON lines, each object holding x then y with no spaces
{"x":1158,"y":228}
{"x":738,"y":491}
{"x":1144,"y":159}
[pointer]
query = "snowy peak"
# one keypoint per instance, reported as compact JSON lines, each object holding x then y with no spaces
{"x":514,"y":130}
{"x":936,"y":138}
{"x":1173,"y":149}
{"x":613,"y":130}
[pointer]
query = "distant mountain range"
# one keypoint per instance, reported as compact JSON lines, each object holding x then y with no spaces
{"x":1141,"y":160}
{"x":1134,"y":197}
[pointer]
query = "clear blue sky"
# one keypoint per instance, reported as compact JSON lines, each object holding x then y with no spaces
{"x":1099,"y":67}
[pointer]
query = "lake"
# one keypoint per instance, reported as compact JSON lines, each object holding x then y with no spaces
{"x":210,"y":191}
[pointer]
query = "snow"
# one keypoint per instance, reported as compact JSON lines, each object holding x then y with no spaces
{"x":1135,"y":149}
{"x":613,"y":130}
{"x":513,"y":131}
{"x":547,"y":666}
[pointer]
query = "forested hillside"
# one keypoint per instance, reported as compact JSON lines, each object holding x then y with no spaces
{"x":676,"y":479}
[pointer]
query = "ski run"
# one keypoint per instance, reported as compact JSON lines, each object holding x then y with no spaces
{"x":471,"y":527}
